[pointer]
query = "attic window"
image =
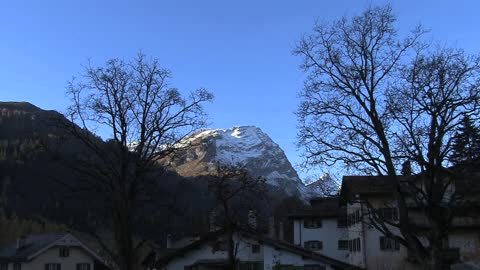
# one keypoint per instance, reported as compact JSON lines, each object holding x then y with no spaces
{"x":64,"y":252}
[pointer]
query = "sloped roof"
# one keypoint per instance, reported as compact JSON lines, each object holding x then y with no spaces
{"x":261,"y":239}
{"x":37,"y":244}
{"x":323,"y":207}
{"x":33,"y":244}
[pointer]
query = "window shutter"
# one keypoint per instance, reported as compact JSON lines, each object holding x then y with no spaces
{"x":389,"y":244}
{"x":397,"y":245}
{"x":382,"y":243}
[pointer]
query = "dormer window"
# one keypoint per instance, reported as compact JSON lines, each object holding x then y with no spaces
{"x":64,"y":252}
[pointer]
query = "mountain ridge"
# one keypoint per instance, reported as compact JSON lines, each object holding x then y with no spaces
{"x":246,"y":147}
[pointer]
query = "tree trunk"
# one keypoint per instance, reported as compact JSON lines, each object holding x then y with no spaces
{"x":123,"y":236}
{"x":231,"y":250}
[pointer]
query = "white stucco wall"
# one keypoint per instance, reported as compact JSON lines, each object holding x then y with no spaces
{"x":77,"y":255}
{"x":371,"y":256}
{"x":329,"y":234}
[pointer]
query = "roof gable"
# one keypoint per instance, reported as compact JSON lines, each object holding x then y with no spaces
{"x":38,"y":244}
{"x":262,"y":240}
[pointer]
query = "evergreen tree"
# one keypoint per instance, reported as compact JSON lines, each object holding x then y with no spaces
{"x":466,"y":142}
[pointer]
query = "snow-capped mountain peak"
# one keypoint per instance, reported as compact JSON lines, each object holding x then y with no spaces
{"x":243,"y":146}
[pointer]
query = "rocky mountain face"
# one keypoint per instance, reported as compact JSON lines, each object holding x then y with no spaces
{"x":246,"y":147}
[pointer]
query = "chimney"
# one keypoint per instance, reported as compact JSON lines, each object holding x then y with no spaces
{"x":280,"y":231}
{"x":169,"y":241}
{"x":252,"y":219}
{"x":271,"y":227}
{"x":21,"y":242}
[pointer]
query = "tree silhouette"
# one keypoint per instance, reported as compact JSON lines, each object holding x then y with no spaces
{"x":466,"y":142}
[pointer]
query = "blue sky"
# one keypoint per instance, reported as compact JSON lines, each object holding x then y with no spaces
{"x":239,"y":50}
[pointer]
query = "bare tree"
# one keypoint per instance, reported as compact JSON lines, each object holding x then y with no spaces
{"x":132,"y":104}
{"x":235,"y":190}
{"x":373,"y":100}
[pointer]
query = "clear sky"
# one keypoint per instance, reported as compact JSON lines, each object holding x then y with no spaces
{"x":239,"y":50}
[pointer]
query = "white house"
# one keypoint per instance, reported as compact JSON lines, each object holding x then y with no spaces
{"x":59,"y":251}
{"x":370,"y":249}
{"x":253,"y":252}
{"x":322,"y":228}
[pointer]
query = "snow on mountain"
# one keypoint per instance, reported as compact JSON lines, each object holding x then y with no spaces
{"x":244,"y":146}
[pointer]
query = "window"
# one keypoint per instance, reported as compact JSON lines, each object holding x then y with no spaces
{"x":255,"y":248}
{"x":3,"y":266}
{"x":251,"y":266}
{"x":342,"y":244}
{"x":64,"y":252}
{"x":312,"y":223}
{"x":389,"y":244}
{"x":354,"y":218}
{"x":357,"y":244}
{"x":313,"y":245}
{"x":83,"y":266}
{"x":342,"y":222}
{"x":354,"y":245}
{"x":314,"y":267}
{"x":53,"y":266}
{"x":17,"y":266}
{"x":389,"y":213}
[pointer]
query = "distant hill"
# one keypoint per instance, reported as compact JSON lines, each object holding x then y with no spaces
{"x":34,"y":181}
